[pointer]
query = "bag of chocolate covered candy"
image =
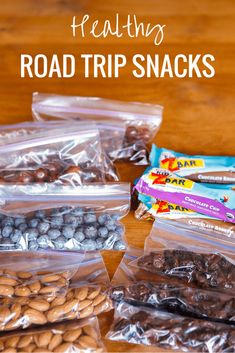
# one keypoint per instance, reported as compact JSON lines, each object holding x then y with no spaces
{"x":61,"y":217}
{"x":56,"y":153}
{"x":81,"y":336}
{"x":84,"y":293}
{"x":126,"y":129}
{"x":141,"y":325}
{"x":191,"y":256}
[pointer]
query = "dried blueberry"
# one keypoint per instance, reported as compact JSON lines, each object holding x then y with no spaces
{"x":54,"y":233}
{"x":113,"y":235}
{"x":66,"y":209}
{"x":89,"y":218}
{"x":70,"y":220}
{"x":33,"y":245}
{"x":79,"y":235}
{"x":110,"y":224}
{"x":16,"y":235}
{"x":99,"y":243}
{"x":43,"y":242}
{"x":119,"y":245}
{"x":22,"y":227}
{"x":56,"y":221}
{"x":33,"y":223}
{"x":60,"y":243}
{"x":103,"y":232}
{"x":43,"y":227}
{"x":89,"y":245}
{"x":8,"y":221}
{"x":68,"y":232}
{"x":78,"y":211}
{"x":90,"y":231}
{"x":7,"y":231}
{"x":31,"y":234}
{"x":18,"y":221}
{"x":102,"y":219}
{"x":40,"y":214}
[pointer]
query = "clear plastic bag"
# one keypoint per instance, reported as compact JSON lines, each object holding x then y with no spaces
{"x":86,"y":296}
{"x":37,"y":273}
{"x":140,"y":288}
{"x":61,"y":217}
{"x":140,"y":325}
{"x":141,"y":121}
{"x":194,"y":257}
{"x":71,"y":155}
{"x":81,"y":336}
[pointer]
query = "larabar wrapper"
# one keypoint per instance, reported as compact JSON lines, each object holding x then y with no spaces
{"x":166,"y":186}
{"x":204,"y":169}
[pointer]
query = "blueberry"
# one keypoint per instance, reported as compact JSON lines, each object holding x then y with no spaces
{"x":55,"y":212}
{"x":33,"y":223}
{"x":54,"y":233}
{"x":16,"y":235}
{"x":56,"y":222}
{"x":68,"y":232}
{"x":7,"y":231}
{"x":78,"y":211}
{"x":90,"y":231}
{"x":8,"y":221}
{"x":43,"y":242}
{"x":102,"y":219}
{"x":41,"y":214}
{"x":19,"y":221}
{"x":43,"y":227}
{"x":60,"y":243}
{"x":22,"y":227}
{"x":33,"y":245}
{"x":66,"y":209}
{"x":99,"y":243}
{"x":89,"y":218}
{"x":31,"y":234}
{"x":119,"y":245}
{"x":79,"y":235}
{"x":89,"y":245}
{"x":110,"y":224}
{"x":103,"y":232}
{"x":70,"y":220}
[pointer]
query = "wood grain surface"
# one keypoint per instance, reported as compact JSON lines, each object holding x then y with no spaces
{"x":199,"y":113}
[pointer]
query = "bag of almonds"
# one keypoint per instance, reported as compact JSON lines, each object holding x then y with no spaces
{"x":86,"y":296}
{"x":40,"y":274}
{"x":77,"y":336}
{"x":61,"y":217}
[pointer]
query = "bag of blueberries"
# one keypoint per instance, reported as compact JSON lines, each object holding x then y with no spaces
{"x":126,"y":128}
{"x":189,"y":255}
{"x":138,"y":287}
{"x":68,"y":155}
{"x":61,"y":217}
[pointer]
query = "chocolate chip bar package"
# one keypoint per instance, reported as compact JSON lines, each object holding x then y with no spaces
{"x":190,"y":256}
{"x":81,"y":336}
{"x":164,"y":185}
{"x":126,"y":129}
{"x":85,"y":296}
{"x":37,"y":273}
{"x":150,"y":209}
{"x":141,"y":325}
{"x":60,"y":217}
{"x":138,"y":287}
{"x":68,"y":155}
{"x":203,"y":169}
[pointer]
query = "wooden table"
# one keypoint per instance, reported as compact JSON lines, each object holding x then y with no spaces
{"x":199,"y":113}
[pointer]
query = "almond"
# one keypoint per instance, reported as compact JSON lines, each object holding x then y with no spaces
{"x":25,"y":341}
{"x":86,"y":312}
{"x":81,"y":293}
{"x":55,"y":342}
{"x":16,"y":310}
{"x":44,"y":339}
{"x":8,"y":281}
{"x":9,"y":350}
{"x":70,"y":305}
{"x":5,"y":315}
{"x":64,"y":347}
{"x":10,"y":273}
{"x":55,"y":314}
{"x":11,"y":342}
{"x":87,"y":342}
{"x":35,"y":317}
{"x":30,"y":348}
{"x":24,"y":275}
{"x":89,"y":331}
{"x":84,"y":304}
{"x":103,"y":306}
{"x":98,"y":299}
{"x":39,"y":304}
{"x":13,"y":324}
{"x":22,"y":292}
{"x":48,"y":290}
{"x":6,"y":291}
{"x":58,"y":301}
{"x":35,"y":287}
{"x":93,"y":294}
{"x":39,"y":350}
{"x":50,"y":278}
{"x":72,"y":335}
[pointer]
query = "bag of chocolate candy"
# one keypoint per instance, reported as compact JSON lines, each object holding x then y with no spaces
{"x":81,"y":336}
{"x":191,"y":256}
{"x":61,"y":217}
{"x":84,"y":296}
{"x":68,"y":155}
{"x":141,"y":325}
{"x":127,"y":142}
{"x":37,"y":273}
{"x":202,"y":169}
{"x":138,"y":287}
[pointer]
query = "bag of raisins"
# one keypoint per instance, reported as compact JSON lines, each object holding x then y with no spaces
{"x":56,"y":153}
{"x":126,"y":128}
{"x":61,"y":217}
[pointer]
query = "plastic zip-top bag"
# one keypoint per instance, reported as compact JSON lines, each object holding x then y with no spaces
{"x":61,"y":217}
{"x":55,"y":154}
{"x":141,"y":121}
{"x":194,"y":257}
{"x":81,"y":336}
{"x":85,"y":296}
{"x":140,"y":325}
{"x":138,"y":287}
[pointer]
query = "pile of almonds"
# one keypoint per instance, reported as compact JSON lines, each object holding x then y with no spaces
{"x":74,"y":337}
{"x":77,"y":303}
